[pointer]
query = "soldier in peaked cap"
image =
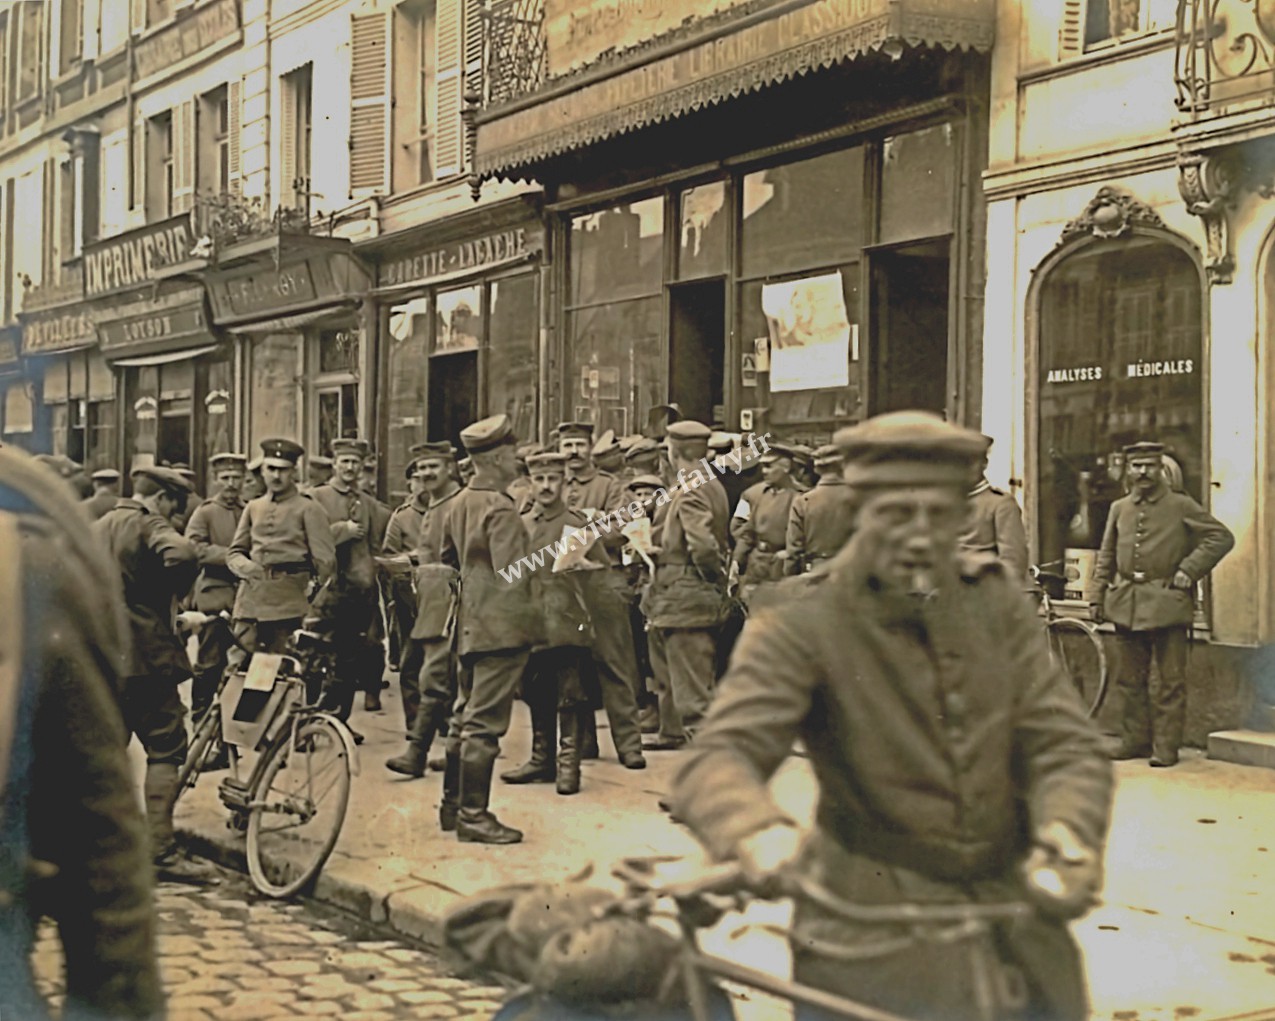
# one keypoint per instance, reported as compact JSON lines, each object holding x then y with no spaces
{"x":497,"y":625}
{"x":282,"y":543}
{"x":157,"y":565}
{"x":642,"y":458}
{"x":520,"y":488}
{"x":821,"y":520}
{"x":902,"y":631}
{"x":193,"y":501}
{"x":996,"y":523}
{"x":608,"y":455}
{"x":759,"y":525}
{"x":211,"y":530}
{"x":253,"y":484}
{"x":1157,"y":546}
{"x":318,"y":471}
{"x":106,"y":492}
{"x":587,"y":489}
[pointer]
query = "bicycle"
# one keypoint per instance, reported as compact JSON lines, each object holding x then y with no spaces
{"x":303,"y":772}
{"x":1074,"y":644}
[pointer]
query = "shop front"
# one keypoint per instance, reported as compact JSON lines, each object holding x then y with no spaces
{"x":459,"y":322}
{"x":17,"y":394}
{"x":770,"y":249}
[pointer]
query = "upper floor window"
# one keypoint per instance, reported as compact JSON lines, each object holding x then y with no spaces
{"x":159,"y":166}
{"x":213,"y":165}
{"x":158,"y":11}
{"x":70,"y":35}
{"x":415,"y":71}
{"x":1093,"y":23}
{"x":30,"y":57}
{"x":4,"y":61}
{"x":297,"y":136}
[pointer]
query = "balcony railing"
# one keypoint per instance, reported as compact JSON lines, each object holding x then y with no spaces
{"x":514,"y":44}
{"x":1225,"y":54}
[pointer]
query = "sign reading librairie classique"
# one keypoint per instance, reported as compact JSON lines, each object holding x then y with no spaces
{"x":129,"y":260}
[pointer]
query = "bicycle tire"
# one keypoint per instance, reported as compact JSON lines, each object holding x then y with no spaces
{"x":1076,"y":646}
{"x":197,"y":753}
{"x":285,"y":867}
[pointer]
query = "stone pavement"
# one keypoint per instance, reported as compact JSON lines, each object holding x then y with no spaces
{"x":1187,"y":928}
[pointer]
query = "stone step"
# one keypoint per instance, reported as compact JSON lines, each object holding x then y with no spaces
{"x":1244,"y":747}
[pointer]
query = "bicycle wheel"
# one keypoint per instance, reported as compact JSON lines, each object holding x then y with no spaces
{"x":298,"y":806}
{"x":1077,"y":647}
{"x":197,"y":752}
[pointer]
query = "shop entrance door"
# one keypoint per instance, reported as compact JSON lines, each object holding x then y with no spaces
{"x":453,"y":395}
{"x":697,"y":348}
{"x":910,"y":327}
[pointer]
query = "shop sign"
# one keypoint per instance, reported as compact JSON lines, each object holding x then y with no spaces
{"x":132,"y":259}
{"x":1080,"y":374}
{"x":490,"y":250}
{"x":153,"y":327}
{"x":8,"y":352}
{"x":578,"y":33}
{"x":1176,"y":367}
{"x":43,"y":332}
{"x":203,"y":28}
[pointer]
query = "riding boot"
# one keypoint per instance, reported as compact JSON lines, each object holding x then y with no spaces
{"x":568,"y":769}
{"x":449,"y":808}
{"x":413,"y":761}
{"x":588,"y":739}
{"x":540,"y":767}
{"x":160,"y":794}
{"x":475,"y":824}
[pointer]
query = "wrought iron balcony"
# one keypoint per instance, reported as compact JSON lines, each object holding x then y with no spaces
{"x":1225,"y":54}
{"x":514,"y":45}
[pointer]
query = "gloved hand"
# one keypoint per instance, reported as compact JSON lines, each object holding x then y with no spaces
{"x":1096,"y":614}
{"x":1063,"y":876}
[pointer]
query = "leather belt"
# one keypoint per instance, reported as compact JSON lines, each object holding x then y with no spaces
{"x":949,"y":861}
{"x":766,"y":547}
{"x":1139,"y":578}
{"x":285,"y":570}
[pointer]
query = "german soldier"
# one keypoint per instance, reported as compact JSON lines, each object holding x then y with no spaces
{"x":760,"y":523}
{"x":106,"y":492}
{"x":995,"y":524}
{"x":955,"y":760}
{"x":318,"y":472}
{"x":158,"y":566}
{"x":820,"y":521}
{"x":402,"y":534}
{"x":1157,"y":546}
{"x":642,"y":458}
{"x":483,"y":535}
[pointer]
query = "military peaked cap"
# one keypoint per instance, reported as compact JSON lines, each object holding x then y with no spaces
{"x":281,"y":450}
{"x":487,"y":434}
{"x":227,"y":460}
{"x":105,"y":475}
{"x":908,"y":448}
{"x":572,"y":429}
{"x":644,"y":447}
{"x":441,"y":449}
{"x":319,"y":461}
{"x":654,"y":481}
{"x":349,"y":445}
{"x":828,"y":454}
{"x":689,"y":429}
{"x":1144,"y":448}
{"x":169,"y":479}
{"x":547,"y":461}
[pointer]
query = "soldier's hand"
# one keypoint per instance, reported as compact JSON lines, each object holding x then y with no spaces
{"x":1095,"y":613}
{"x":1183,"y":581}
{"x":1063,"y":875}
{"x":253,"y":571}
{"x":766,"y":854}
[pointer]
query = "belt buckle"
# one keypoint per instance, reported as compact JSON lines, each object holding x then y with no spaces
{"x":1139,"y":577}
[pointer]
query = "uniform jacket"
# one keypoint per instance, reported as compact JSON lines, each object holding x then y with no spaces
{"x":760,"y":530}
{"x":995,"y":526}
{"x":211,"y":530}
{"x":99,"y":503}
{"x":437,"y":584}
{"x":158,"y":566}
{"x":819,"y":524}
{"x":355,"y":568}
{"x":1147,"y":540}
{"x":565,"y":620}
{"x":593,"y":490}
{"x":688,"y":590}
{"x":403,"y":531}
{"x":482,"y":534}
{"x":290,"y":535}
{"x":193,"y":502}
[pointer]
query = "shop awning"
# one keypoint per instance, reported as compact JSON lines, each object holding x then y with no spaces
{"x":710,"y":62}
{"x":164,"y":359}
{"x":300,"y":320}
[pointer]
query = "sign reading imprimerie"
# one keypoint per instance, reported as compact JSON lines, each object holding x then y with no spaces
{"x":129,"y":260}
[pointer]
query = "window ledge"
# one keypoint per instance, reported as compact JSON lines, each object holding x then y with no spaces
{"x":1107,"y":52}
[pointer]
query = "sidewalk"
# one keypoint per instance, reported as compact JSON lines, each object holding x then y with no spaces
{"x":1187,"y":928}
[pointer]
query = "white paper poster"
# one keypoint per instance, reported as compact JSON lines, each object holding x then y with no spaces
{"x":809,"y":333}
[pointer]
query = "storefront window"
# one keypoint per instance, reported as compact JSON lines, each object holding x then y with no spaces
{"x":1120,"y":361}
{"x":408,"y":333}
{"x":703,"y":216}
{"x":339,"y":351}
{"x":617,"y":253}
{"x":338,"y":414}
{"x":512,"y":370}
{"x":618,"y":367}
{"x":218,"y":426}
{"x":803,"y":214}
{"x":142,"y":417}
{"x":19,"y":414}
{"x":100,"y":449}
{"x":274,"y":376}
{"x":460,"y":320}
{"x":918,"y":184}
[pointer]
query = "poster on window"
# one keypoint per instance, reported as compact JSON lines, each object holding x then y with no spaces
{"x":809,"y":333}
{"x":459,"y":321}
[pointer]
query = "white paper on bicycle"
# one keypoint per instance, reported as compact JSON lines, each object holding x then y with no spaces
{"x":263,"y":669}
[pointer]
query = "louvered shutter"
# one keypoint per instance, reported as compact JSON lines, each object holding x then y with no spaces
{"x":234,"y":117}
{"x":288,"y":145}
{"x":369,"y":103}
{"x":473,"y":34}
{"x":139,"y":164}
{"x":1071,"y":36}
{"x":185,"y":143}
{"x":137,"y":16}
{"x":448,"y":87}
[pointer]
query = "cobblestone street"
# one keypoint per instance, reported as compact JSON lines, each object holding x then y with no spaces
{"x":229,"y":955}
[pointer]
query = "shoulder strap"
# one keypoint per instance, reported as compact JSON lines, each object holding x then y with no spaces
{"x":11,"y":624}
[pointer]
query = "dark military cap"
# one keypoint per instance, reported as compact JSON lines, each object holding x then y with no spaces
{"x":689,"y":429}
{"x":442,"y":449}
{"x":547,"y":461}
{"x":281,"y":450}
{"x":775,"y":450}
{"x":628,"y":442}
{"x":828,"y":454}
{"x":105,"y":475}
{"x":654,"y":481}
{"x":908,"y":448}
{"x":169,"y":479}
{"x":227,"y":460}
{"x":644,"y":447}
{"x":319,"y":461}
{"x":349,"y":445}
{"x":487,"y":434}
{"x":1144,"y":448}
{"x":61,"y":464}
{"x":527,"y":449}
{"x":566,"y":429}
{"x":606,"y":444}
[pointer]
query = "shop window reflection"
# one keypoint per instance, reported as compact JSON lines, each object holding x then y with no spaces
{"x":276,"y":369}
{"x":460,"y":320}
{"x":218,"y":408}
{"x":408,"y":330}
{"x":617,"y":253}
{"x":702,"y":232}
{"x":511,"y":369}
{"x":618,"y":369}
{"x":918,"y":184}
{"x":1120,"y":361}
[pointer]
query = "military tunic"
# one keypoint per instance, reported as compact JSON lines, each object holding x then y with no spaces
{"x":819,"y":524}
{"x":995,"y":526}
{"x":402,"y":533}
{"x":100,"y":503}
{"x":211,"y":530}
{"x":940,"y":738}
{"x":289,"y":538}
{"x":760,"y":530}
{"x":593,"y":490}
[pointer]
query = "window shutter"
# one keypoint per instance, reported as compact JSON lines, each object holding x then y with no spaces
{"x":1071,"y":36}
{"x":448,"y":87}
{"x":184,"y":144}
{"x":288,"y":144}
{"x":49,"y":240}
{"x":473,"y":30}
{"x":139,"y":164}
{"x":234,"y":110}
{"x":137,"y":19}
{"x":369,"y":102}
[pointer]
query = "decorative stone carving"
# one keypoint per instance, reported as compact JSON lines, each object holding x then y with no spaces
{"x":1110,"y":214}
{"x":1206,"y":186}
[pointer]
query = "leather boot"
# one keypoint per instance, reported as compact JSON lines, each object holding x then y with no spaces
{"x":449,"y":807}
{"x":588,"y":739}
{"x":160,"y":794}
{"x":413,"y":761}
{"x":475,"y":824}
{"x":540,"y":767}
{"x":568,"y":771}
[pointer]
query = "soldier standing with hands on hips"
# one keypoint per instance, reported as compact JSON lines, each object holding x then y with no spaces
{"x":1157,"y":546}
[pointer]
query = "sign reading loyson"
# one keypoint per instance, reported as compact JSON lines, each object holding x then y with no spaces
{"x":461,"y":256}
{"x":132,"y":259}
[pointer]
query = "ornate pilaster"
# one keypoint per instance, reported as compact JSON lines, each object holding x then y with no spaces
{"x":1206,"y":187}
